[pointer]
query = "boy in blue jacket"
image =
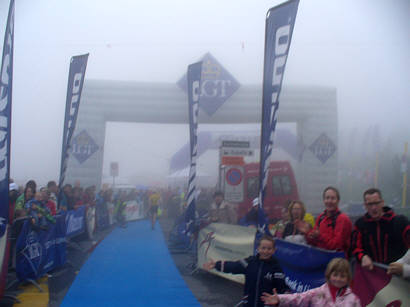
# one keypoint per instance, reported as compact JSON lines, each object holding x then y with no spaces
{"x":262,"y":272}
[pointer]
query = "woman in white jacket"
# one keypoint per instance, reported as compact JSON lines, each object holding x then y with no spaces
{"x":401,"y":267}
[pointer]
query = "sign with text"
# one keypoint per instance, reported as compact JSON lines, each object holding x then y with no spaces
{"x":114,"y":169}
{"x":236,"y":152}
{"x":83,"y":146}
{"x":236,"y":144}
{"x":134,"y":211}
{"x":217,"y":85}
{"x":230,"y":160}
{"x":233,"y":188}
{"x":323,"y":148}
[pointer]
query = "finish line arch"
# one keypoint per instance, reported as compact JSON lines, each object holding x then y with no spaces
{"x":313,"y":109}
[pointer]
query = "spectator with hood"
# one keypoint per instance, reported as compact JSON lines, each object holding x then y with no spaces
{"x":380,"y":235}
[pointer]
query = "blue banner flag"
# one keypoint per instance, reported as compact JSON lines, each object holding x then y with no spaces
{"x":74,"y":88}
{"x":6,"y":82}
{"x":304,"y":266}
{"x":280,"y":21}
{"x":194,"y":83}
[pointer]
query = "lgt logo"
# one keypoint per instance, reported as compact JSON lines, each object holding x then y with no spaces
{"x":217,"y":85}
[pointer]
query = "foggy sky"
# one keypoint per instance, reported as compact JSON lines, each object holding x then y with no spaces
{"x":362,"y":48}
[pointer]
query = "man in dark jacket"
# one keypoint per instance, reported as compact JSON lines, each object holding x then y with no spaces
{"x":380,"y":235}
{"x":262,"y":272}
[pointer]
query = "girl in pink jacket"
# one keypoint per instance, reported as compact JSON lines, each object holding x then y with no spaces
{"x":334,"y":293}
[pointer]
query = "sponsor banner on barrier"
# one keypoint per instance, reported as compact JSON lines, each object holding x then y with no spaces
{"x":40,"y":251}
{"x":375,"y":288}
{"x":304,"y":266}
{"x":225,"y":242}
{"x":133,"y":210}
{"x":75,"y":221}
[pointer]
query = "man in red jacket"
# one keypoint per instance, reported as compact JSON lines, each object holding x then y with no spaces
{"x":333,"y":228}
{"x":380,"y":235}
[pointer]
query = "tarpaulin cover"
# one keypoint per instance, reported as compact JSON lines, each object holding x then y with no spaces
{"x":130,"y":267}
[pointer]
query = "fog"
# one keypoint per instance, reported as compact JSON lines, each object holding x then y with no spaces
{"x":361,"y":48}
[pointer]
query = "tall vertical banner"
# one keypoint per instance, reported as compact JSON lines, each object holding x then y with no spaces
{"x":6,"y":82}
{"x":76,"y":76}
{"x":194,"y":83}
{"x":280,"y":21}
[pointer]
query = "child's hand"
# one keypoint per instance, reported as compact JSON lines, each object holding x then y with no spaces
{"x":270,"y":299}
{"x":209,"y":265}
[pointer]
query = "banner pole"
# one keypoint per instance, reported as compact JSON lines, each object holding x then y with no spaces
{"x":404,"y":167}
{"x":376,"y":172}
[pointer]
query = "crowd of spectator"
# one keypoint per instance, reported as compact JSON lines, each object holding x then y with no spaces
{"x":378,"y":236}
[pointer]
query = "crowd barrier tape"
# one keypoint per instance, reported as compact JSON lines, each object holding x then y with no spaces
{"x":225,"y":242}
{"x":40,"y":251}
{"x":133,"y":210}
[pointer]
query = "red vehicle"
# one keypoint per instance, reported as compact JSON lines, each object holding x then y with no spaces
{"x":281,"y":187}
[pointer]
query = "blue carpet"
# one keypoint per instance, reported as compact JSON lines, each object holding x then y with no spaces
{"x":130,"y":267}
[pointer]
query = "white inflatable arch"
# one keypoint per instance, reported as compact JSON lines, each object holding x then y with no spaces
{"x":313,"y":109}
